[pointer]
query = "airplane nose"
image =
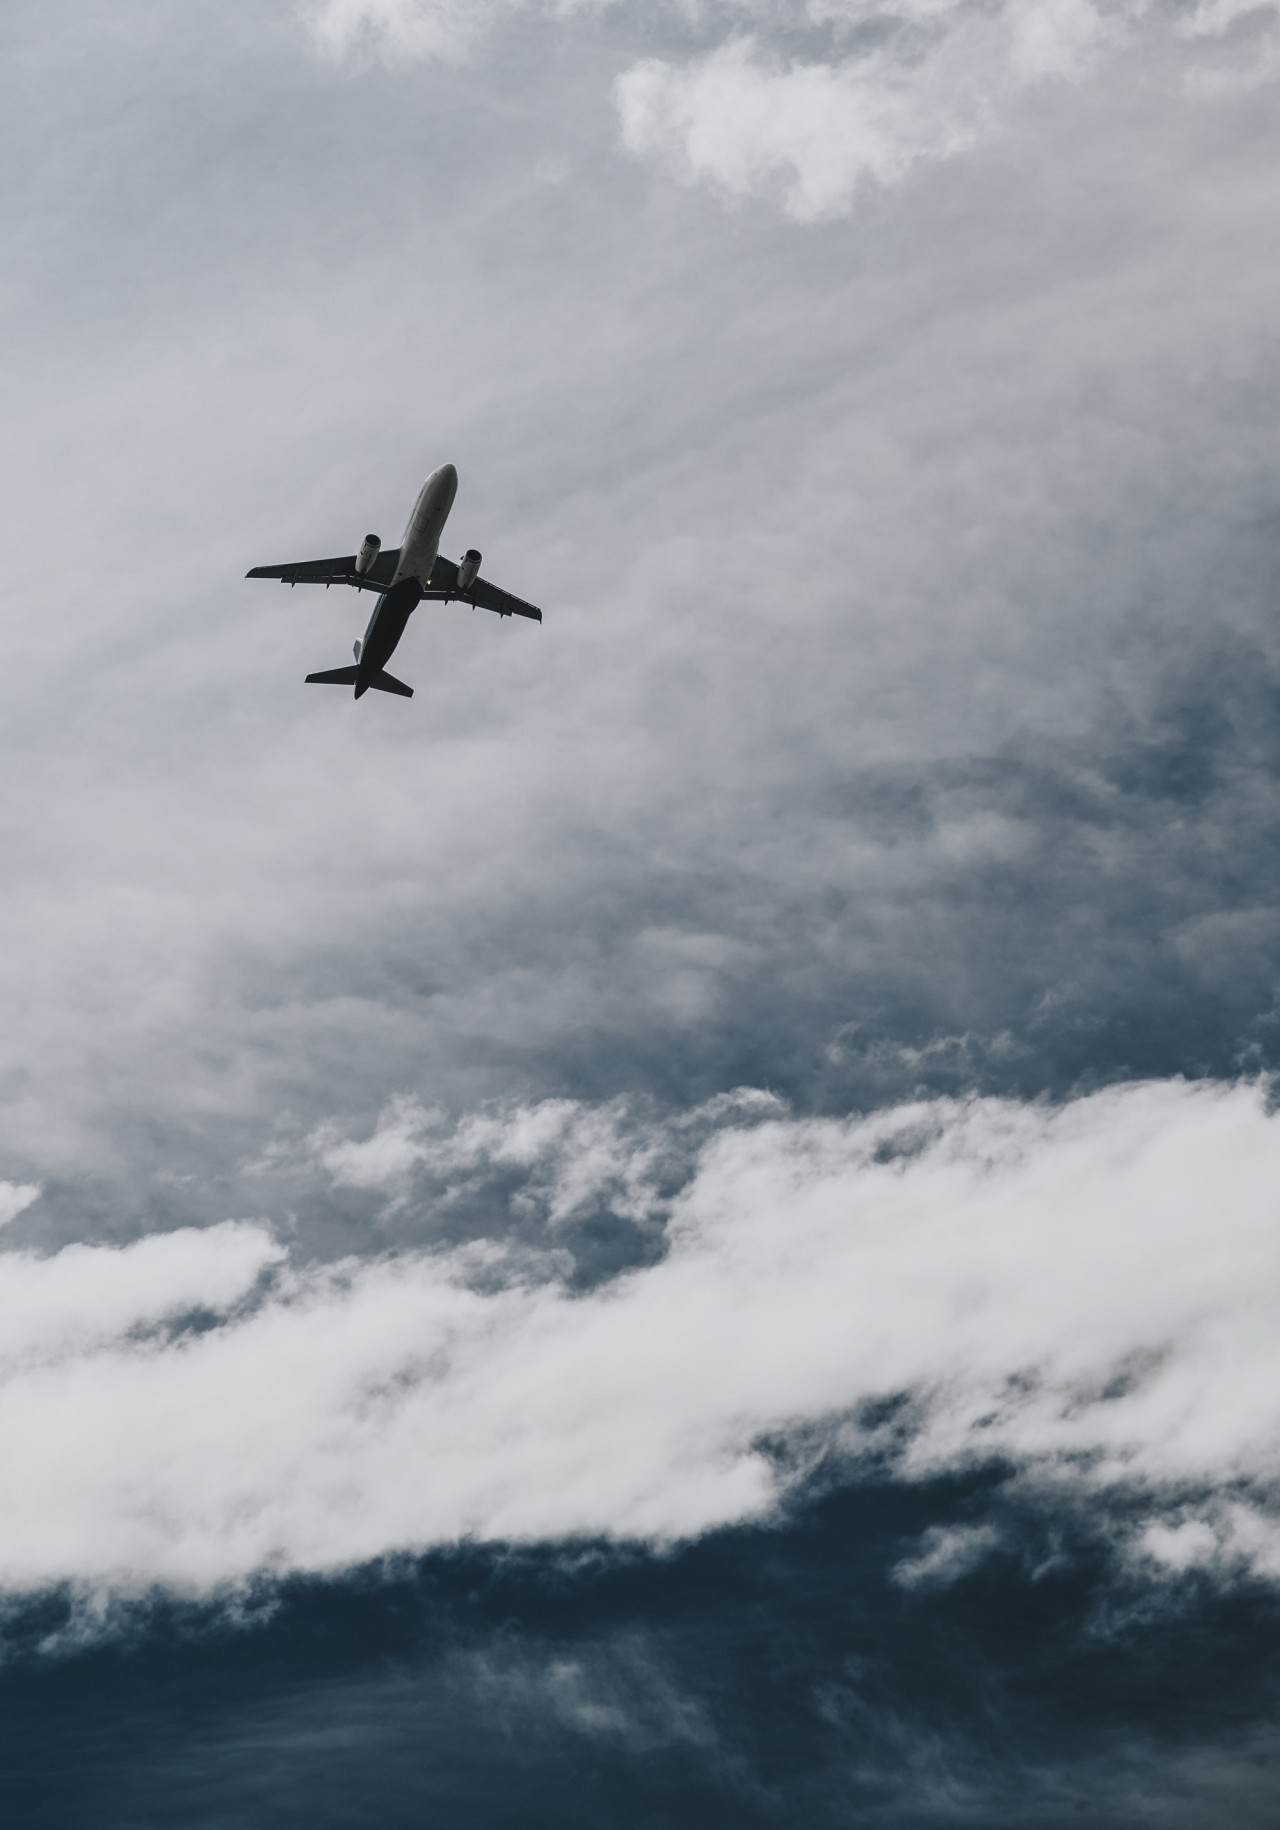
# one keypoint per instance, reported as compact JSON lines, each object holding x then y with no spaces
{"x":447,"y":474}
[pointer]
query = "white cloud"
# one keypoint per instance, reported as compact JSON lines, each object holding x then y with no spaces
{"x":571,"y":1155}
{"x":741,"y":115}
{"x":399,"y":31}
{"x":15,"y":1198}
{"x":625,"y":1697}
{"x":749,"y":116}
{"x":1092,"y":1294}
{"x":741,"y":120}
{"x":945,"y":1554}
{"x":388,"y":1158}
{"x":746,"y":118}
{"x":88,"y":1296}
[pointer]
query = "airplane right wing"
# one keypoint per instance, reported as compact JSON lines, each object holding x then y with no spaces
{"x":310,"y":571}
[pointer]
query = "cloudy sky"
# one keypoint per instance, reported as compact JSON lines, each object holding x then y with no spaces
{"x":682,"y":1230}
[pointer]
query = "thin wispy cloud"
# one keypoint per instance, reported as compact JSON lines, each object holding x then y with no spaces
{"x":400,"y":32}
{"x":15,"y":1198}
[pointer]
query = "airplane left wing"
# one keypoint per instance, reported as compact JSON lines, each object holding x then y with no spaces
{"x":484,"y":596}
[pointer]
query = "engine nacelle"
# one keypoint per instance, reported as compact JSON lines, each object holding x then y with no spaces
{"x":368,"y":554}
{"x":468,"y":569}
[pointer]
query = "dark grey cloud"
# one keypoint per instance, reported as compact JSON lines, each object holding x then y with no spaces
{"x":753,"y":1679}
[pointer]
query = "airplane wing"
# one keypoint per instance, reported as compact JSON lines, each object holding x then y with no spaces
{"x":310,"y":571}
{"x":480,"y":594}
{"x":334,"y":571}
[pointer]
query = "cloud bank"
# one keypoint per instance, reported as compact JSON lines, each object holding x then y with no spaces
{"x":900,"y":85}
{"x":809,"y":101}
{"x":748,"y":119}
{"x":1091,"y":1295}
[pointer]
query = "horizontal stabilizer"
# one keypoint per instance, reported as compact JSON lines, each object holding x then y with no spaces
{"x":336,"y":676}
{"x":386,"y":683}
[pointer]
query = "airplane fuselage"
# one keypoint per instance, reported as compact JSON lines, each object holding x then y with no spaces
{"x":418,"y":553}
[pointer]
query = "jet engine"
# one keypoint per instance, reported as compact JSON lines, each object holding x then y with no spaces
{"x":368,"y":554}
{"x":468,"y":569}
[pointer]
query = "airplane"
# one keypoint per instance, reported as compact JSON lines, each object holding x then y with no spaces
{"x":403,"y":577}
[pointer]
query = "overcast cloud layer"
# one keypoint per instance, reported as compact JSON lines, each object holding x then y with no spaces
{"x":756,"y":1090}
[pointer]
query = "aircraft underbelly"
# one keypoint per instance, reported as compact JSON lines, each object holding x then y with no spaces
{"x":387,"y":625}
{"x":418,"y":555}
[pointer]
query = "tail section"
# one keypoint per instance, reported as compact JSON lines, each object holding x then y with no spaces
{"x":350,"y":676}
{"x":386,"y":683}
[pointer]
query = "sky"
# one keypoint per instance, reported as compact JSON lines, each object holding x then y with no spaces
{"x":682,"y":1229}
